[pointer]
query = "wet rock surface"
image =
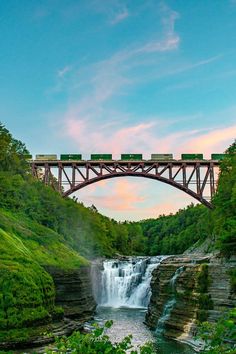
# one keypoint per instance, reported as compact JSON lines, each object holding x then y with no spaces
{"x":74,"y":292}
{"x":181,"y":323}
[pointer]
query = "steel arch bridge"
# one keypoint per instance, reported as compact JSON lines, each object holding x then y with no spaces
{"x":198,"y":178}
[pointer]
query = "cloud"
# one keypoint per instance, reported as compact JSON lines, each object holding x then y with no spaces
{"x":134,"y":198}
{"x":138,"y":198}
{"x":147,"y":137}
{"x":62,"y":72}
{"x":124,"y":196}
{"x":109,"y":139}
{"x":215,"y":140}
{"x":120,"y":16}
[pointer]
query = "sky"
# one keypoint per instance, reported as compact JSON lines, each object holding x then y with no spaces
{"x":116,"y":76}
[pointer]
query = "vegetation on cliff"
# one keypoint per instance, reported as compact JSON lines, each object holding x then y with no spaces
{"x":220,"y":336}
{"x":224,"y":214}
{"x":38,"y":228}
{"x":173,"y":234}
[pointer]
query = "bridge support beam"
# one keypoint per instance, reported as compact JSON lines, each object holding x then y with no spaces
{"x":196,"y":178}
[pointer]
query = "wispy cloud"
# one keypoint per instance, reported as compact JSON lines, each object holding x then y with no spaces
{"x":214,"y":140}
{"x":148,"y":137}
{"x":120,"y":16}
{"x":111,"y":77}
{"x":62,"y":72}
{"x":113,"y":139}
{"x":122,"y":197}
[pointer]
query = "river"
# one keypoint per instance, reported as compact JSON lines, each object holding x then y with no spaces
{"x":124,"y":296}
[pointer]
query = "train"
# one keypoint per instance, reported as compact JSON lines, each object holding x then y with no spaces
{"x":123,"y":157}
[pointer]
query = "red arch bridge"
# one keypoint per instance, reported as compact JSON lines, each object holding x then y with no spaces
{"x":198,"y":178}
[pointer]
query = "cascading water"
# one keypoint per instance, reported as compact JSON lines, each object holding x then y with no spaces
{"x":126,"y":283}
{"x":170,"y":303}
{"x":122,"y":291}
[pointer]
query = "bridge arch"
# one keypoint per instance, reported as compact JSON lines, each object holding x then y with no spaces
{"x":196,"y":178}
{"x":130,"y":174}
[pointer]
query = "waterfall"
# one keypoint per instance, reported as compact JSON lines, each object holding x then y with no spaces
{"x":170,"y":303}
{"x":126,"y":283}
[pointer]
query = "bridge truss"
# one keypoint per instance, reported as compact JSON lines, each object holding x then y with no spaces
{"x":196,"y":178}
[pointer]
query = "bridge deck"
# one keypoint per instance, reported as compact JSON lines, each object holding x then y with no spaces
{"x":56,"y":163}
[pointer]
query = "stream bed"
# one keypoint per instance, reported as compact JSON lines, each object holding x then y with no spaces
{"x":131,"y":321}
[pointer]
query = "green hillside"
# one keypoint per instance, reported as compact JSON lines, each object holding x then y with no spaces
{"x":174,"y":234}
{"x":38,"y":228}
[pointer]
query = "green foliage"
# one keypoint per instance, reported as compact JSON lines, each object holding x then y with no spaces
{"x":86,"y":231}
{"x":12,"y":153}
{"x":232,"y":274}
{"x":220,"y":337}
{"x":225,"y":204}
{"x":39,"y":228}
{"x":203,"y":279}
{"x":204,"y":300}
{"x":26,"y":290}
{"x":173,"y":234}
{"x":38,"y":242}
{"x":98,"y":342}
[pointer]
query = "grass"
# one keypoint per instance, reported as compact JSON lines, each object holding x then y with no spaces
{"x":27,"y":292}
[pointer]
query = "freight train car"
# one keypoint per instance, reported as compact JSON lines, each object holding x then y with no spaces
{"x":28,"y":156}
{"x":71,"y":157}
{"x":129,"y":157}
{"x":162,"y":157}
{"x":192,"y":156}
{"x":46,"y":157}
{"x":103,"y":157}
{"x":218,"y":156}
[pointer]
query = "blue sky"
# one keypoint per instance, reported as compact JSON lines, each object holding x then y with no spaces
{"x":119,"y":76}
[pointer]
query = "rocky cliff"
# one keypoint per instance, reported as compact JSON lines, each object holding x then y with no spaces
{"x":74,"y":295}
{"x":74,"y":292}
{"x":200,"y":291}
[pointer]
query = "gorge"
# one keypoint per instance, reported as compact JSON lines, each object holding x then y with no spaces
{"x":58,"y":259}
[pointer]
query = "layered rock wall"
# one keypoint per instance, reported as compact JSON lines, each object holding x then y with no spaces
{"x":74,"y":292}
{"x":193,"y":301}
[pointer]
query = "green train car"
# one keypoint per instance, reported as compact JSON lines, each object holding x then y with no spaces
{"x":128,"y":157}
{"x":71,"y":157}
{"x":218,"y":156}
{"x":46,"y":157}
{"x":192,"y":156}
{"x":162,"y":157}
{"x":28,"y":157}
{"x":103,"y":157}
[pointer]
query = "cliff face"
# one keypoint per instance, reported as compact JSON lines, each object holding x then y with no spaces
{"x":74,"y":292}
{"x":199,"y":288}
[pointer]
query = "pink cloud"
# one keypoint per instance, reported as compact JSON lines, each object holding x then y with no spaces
{"x":134,"y":198}
{"x":213,"y":141}
{"x":145,"y":138}
{"x":121,"y":195}
{"x":109,"y":139}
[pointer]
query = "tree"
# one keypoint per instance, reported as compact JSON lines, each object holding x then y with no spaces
{"x":12,"y":153}
{"x":224,"y":201}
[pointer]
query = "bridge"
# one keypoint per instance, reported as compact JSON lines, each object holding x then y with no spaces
{"x":198,"y":178}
